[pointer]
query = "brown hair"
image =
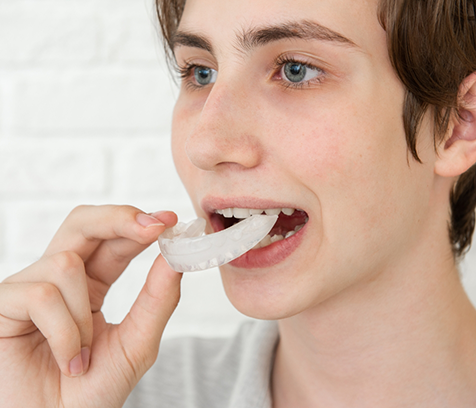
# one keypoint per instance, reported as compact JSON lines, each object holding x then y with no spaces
{"x":432,"y":46}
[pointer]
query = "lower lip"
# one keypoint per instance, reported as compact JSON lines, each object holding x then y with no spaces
{"x":270,"y":255}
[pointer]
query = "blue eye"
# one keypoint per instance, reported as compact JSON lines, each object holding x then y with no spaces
{"x":297,"y":72}
{"x":205,"y":76}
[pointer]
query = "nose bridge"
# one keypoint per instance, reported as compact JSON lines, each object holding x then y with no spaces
{"x":225,"y":131}
{"x":221,"y":108}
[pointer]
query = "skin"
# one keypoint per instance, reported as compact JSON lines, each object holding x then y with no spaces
{"x":373,"y":287}
{"x":371,"y":311}
{"x":51,"y":311}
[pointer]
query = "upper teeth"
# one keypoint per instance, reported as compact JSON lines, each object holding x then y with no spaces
{"x":247,"y":212}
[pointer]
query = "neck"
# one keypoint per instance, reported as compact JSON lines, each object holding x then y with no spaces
{"x":407,"y":337}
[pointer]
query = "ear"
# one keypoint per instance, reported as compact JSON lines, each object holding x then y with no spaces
{"x":457,"y":153}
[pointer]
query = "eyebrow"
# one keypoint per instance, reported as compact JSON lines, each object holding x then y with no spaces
{"x":185,"y":39}
{"x":250,"y":39}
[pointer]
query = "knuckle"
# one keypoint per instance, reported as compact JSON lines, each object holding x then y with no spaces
{"x":78,"y":210}
{"x":44,"y":292}
{"x":124,"y":211}
{"x":67,"y":262}
{"x":117,"y":211}
{"x":86,"y":323}
{"x":67,"y":334}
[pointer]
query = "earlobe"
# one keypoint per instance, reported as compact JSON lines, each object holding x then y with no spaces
{"x":457,"y":153}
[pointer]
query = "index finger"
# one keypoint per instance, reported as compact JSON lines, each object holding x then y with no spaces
{"x":87,"y":226}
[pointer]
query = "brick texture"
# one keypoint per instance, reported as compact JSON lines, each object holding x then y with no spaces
{"x":85,"y":105}
{"x":85,"y":108}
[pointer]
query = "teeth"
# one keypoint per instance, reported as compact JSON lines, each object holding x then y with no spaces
{"x":227,"y":212}
{"x":277,"y":238}
{"x":265,"y":241}
{"x":288,"y":211}
{"x":290,"y":234}
{"x":268,"y":239}
{"x":242,"y":213}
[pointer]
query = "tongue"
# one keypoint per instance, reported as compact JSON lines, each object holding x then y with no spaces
{"x":287,"y":223}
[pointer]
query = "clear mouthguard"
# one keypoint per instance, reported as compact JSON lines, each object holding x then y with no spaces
{"x":186,"y":249}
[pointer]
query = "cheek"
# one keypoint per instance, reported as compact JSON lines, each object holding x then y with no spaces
{"x":356,"y":166}
{"x":182,"y":125}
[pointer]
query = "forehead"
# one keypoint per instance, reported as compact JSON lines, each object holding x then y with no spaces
{"x":225,"y":21}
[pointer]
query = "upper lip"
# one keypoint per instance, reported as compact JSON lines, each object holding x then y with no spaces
{"x":210,"y":204}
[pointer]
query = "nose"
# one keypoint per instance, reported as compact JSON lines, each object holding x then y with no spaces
{"x":225,"y":134}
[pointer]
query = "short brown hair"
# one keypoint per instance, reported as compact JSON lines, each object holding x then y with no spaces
{"x":432,"y":46}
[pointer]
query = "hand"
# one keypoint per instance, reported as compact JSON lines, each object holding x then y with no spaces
{"x":56,"y":349}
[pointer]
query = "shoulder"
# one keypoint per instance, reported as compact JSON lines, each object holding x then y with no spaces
{"x":195,"y":372}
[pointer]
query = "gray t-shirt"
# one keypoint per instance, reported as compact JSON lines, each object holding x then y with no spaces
{"x":211,"y":373}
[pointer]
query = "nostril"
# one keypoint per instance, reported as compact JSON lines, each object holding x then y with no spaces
{"x":202,"y":153}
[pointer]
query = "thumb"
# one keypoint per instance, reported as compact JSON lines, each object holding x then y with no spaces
{"x":142,"y":329}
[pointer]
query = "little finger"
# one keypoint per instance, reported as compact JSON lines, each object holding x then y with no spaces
{"x":65,"y":271}
{"x":43,"y":304}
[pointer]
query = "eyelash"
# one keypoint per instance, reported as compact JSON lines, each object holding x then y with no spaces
{"x":186,"y":71}
{"x":282,"y":60}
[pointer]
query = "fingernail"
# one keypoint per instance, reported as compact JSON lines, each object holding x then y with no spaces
{"x":76,"y":366}
{"x":85,"y":353}
{"x":148,"y":221}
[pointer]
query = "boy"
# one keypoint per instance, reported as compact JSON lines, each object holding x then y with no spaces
{"x":294,"y":107}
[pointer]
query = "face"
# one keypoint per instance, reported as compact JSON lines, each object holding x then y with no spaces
{"x":295,"y":105}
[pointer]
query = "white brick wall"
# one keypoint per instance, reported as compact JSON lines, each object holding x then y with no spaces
{"x":85,"y":108}
{"x":85,"y":103}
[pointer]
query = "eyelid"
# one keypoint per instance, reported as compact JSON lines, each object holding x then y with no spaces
{"x":197,"y":60}
{"x":185,"y":70}
{"x":305,"y":59}
{"x":285,"y":58}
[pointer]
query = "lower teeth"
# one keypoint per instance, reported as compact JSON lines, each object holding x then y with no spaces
{"x":268,"y":239}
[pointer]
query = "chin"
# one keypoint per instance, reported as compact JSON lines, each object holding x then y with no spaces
{"x":263,"y":294}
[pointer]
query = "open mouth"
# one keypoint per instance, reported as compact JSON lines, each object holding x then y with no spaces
{"x":289,"y":221}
